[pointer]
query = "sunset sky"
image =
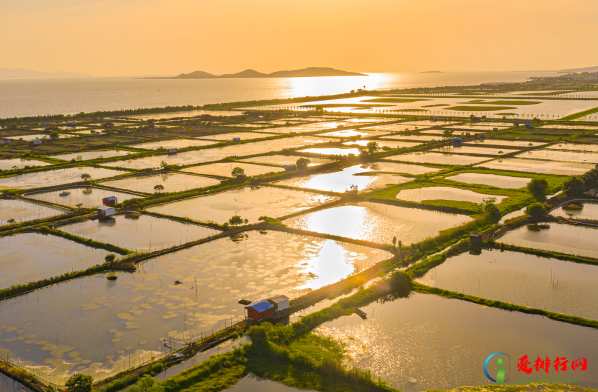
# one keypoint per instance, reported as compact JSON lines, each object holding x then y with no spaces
{"x":167,"y":37}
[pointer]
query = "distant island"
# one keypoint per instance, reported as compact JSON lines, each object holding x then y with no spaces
{"x":432,"y":72}
{"x":579,"y":70}
{"x":250,"y":73}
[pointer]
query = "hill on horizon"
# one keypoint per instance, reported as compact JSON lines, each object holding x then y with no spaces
{"x":579,"y":70}
{"x":250,"y":73}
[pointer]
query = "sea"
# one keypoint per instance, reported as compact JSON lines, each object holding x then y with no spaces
{"x":33,"y":97}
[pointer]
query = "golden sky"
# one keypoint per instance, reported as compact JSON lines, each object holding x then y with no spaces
{"x":164,"y":37}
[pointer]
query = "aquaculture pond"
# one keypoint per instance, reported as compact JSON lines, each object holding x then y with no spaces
{"x":377,"y":222}
{"x":310,"y":127}
{"x":224,"y":137}
{"x":225,"y":169}
{"x":506,"y":143}
{"x":218,"y":153}
{"x":537,"y":166}
{"x":187,"y":114}
{"x":574,"y":147}
{"x":29,"y":257}
{"x":23,"y":211}
{"x":354,"y":132}
{"x":332,"y":151}
{"x":427,"y":342}
{"x":438,"y":158}
{"x":55,"y":177}
{"x":86,"y":196}
{"x":556,"y":237}
{"x":577,"y":210}
{"x":87,"y":155}
{"x":113,"y":321}
{"x":424,"y":138}
{"x":139,"y":232}
{"x":172,"y":182}
{"x":395,"y":167}
{"x":342,"y":181}
{"x":558,"y":155}
{"x":419,"y":195}
{"x":529,"y":280}
{"x":391,"y":144}
{"x":174,"y":143}
{"x":18,"y":163}
{"x":282,"y":160}
{"x":246,"y":202}
{"x":475,"y":150}
{"x":491,"y":179}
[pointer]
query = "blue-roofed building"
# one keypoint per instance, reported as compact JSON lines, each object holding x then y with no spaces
{"x":109,"y":201}
{"x":259,"y":310}
{"x":457,"y":140}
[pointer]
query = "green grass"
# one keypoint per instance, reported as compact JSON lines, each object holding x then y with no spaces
{"x":580,"y":114}
{"x":464,"y":108}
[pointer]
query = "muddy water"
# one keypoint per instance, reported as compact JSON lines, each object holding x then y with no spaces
{"x":92,"y":155}
{"x":9,"y":164}
{"x":141,"y":232}
{"x":589,"y":211}
{"x":174,"y":143}
{"x":491,"y":179}
{"x":245,"y":202}
{"x":282,"y":160}
{"x":30,"y":256}
{"x":537,"y":166}
{"x":95,"y":325}
{"x":342,"y":181}
{"x":377,"y":222}
{"x":23,"y":211}
{"x":538,"y":282}
{"x":437,"y":158}
{"x":428,"y":342}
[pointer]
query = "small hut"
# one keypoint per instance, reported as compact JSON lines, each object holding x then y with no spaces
{"x":110,"y":200}
{"x":259,"y":310}
{"x":105,"y":211}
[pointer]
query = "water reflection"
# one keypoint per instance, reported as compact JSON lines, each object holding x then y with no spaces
{"x":538,"y":166}
{"x":539,"y":282}
{"x":491,"y":179}
{"x":96,"y":325}
{"x":22,"y":211}
{"x":88,"y":197}
{"x":428,"y":342}
{"x":377,"y":222}
{"x":342,"y":181}
{"x":588,"y":210}
{"x":172,"y":182}
{"x":563,"y":238}
{"x":419,"y":195}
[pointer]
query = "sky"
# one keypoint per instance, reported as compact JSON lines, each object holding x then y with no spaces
{"x":168,"y":37}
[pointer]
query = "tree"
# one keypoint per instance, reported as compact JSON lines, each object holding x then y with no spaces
{"x":54,"y":135}
{"x":537,"y":187}
{"x":372,"y":147}
{"x":401,"y":283}
{"x":237,"y":171}
{"x":447,"y":134}
{"x":85,"y":177}
{"x":537,"y":210}
{"x":164,"y":165}
{"x":110,"y":258}
{"x":146,"y":384}
{"x":79,"y":158}
{"x":573,"y":187}
{"x":235,"y":220}
{"x":159,"y":188}
{"x":79,"y":383}
{"x":302,"y":163}
{"x":394,"y":242}
{"x":10,"y":221}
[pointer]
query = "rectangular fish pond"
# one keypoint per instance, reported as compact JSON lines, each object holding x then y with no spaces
{"x":18,"y":163}
{"x":556,"y":237}
{"x":21,"y":259}
{"x":86,"y":196}
{"x":246,"y":202}
{"x":172,"y":182}
{"x":87,"y":155}
{"x":94,"y":325}
{"x":378,"y":223}
{"x":282,"y":160}
{"x":578,"y":210}
{"x":538,"y":166}
{"x":426,"y":342}
{"x":529,"y":280}
{"x":342,"y":181}
{"x":419,"y":195}
{"x":55,"y":177}
{"x":23,"y":211}
{"x":139,"y":232}
{"x":224,"y":169}
{"x":491,"y":180}
{"x":173,"y":143}
{"x":438,"y":158}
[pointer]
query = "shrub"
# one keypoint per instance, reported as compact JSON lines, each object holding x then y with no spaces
{"x":537,"y":210}
{"x":79,"y":383}
{"x":401,"y":283}
{"x":537,"y":187}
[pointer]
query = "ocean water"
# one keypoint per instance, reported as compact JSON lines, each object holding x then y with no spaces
{"x":33,"y":97}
